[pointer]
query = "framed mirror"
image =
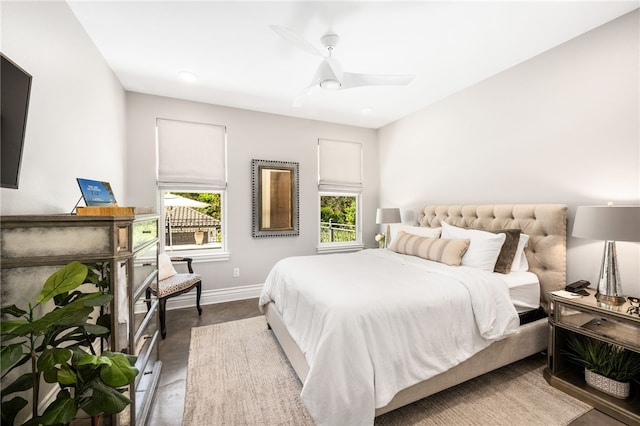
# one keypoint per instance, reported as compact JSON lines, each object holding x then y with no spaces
{"x":274,"y":187}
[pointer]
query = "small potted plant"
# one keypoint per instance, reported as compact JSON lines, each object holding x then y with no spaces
{"x":380,"y":239}
{"x":607,"y":367}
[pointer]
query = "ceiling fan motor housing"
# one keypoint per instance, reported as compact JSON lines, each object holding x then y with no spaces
{"x":330,"y":41}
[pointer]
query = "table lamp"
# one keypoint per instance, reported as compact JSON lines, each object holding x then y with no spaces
{"x":388,"y":216}
{"x":609,"y":223}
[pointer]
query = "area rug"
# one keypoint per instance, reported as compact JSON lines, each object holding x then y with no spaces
{"x":238,"y":375}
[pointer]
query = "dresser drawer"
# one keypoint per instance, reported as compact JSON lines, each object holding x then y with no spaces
{"x":145,"y":390}
{"x":143,"y":319}
{"x":144,"y":231}
{"x":145,"y":265}
{"x":147,"y":347}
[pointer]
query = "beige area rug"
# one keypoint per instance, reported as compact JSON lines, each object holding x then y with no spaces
{"x":238,"y":375}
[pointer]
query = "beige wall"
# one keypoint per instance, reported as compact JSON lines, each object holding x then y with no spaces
{"x":250,"y":135}
{"x":562,"y":127}
{"x":76,"y":122}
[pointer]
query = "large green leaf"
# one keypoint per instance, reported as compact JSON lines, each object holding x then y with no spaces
{"x":96,"y":330}
{"x":96,"y":299}
{"x":13,"y":328}
{"x":120,"y":372}
{"x":62,"y":410}
{"x":66,"y":376}
{"x":67,"y":315}
{"x":94,"y":360}
{"x":107,"y":400}
{"x":9,"y":355}
{"x":20,"y":384}
{"x":12,"y":310}
{"x":53,"y":356}
{"x":67,"y":278}
{"x":50,"y":375}
{"x":11,"y":408}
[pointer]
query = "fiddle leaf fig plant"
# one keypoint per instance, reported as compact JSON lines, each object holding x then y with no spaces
{"x":59,"y":347}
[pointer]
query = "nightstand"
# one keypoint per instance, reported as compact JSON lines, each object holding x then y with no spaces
{"x":585,"y":316}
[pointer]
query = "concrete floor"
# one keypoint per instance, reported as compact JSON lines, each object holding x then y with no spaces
{"x":168,"y":403}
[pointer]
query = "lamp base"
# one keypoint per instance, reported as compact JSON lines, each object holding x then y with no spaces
{"x":609,"y":288}
{"x":610,"y":300}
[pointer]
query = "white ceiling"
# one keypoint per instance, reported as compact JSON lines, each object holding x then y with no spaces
{"x":240,"y":62}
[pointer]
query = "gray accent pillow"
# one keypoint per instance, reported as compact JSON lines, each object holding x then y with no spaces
{"x":508,"y":250}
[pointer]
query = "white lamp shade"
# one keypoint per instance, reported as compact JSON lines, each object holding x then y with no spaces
{"x":391,"y":215}
{"x":608,"y":223}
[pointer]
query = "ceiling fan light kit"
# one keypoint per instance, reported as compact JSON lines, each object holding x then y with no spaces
{"x":329,"y":74}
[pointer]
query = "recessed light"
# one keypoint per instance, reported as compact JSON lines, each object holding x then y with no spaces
{"x":187,"y":76}
{"x":366,"y":110}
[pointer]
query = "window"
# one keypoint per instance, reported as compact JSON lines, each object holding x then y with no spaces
{"x":192,"y":184}
{"x":193,"y":220}
{"x":339,"y":190}
{"x":338,"y":218}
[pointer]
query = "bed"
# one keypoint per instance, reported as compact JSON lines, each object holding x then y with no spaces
{"x":339,"y":353}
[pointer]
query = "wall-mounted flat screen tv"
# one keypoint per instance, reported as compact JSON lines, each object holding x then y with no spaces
{"x":15,"y":89}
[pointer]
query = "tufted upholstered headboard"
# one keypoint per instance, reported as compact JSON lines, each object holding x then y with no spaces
{"x":546,"y":225}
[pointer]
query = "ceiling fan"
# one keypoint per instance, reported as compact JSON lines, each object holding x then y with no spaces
{"x":329,"y":74}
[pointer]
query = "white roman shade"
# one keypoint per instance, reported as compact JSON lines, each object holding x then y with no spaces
{"x":191,"y":154}
{"x":339,"y":165}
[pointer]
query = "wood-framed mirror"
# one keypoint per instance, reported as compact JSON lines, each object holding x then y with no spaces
{"x":274,"y":187}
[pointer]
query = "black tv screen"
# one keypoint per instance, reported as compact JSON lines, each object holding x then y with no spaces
{"x":15,"y":89}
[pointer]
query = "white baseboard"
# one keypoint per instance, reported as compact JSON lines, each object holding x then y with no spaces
{"x":209,"y":297}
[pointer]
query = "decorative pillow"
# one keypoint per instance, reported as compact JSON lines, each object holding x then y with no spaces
{"x":484,"y":247}
{"x":520,"y":262}
{"x":508,"y":250}
{"x":420,"y":231}
{"x":165,"y":267}
{"x":449,"y":252}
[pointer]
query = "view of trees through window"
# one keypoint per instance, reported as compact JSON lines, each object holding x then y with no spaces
{"x":338,"y":218}
{"x":193,"y":219}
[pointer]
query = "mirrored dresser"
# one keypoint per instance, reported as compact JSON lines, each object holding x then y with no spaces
{"x":122,"y":248}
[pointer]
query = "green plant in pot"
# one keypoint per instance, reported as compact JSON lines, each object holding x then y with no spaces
{"x":59,"y":347}
{"x":609,"y":368}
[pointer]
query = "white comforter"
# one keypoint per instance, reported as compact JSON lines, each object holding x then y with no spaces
{"x":374,"y":322}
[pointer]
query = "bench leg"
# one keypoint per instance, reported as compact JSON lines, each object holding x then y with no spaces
{"x":198,"y":293}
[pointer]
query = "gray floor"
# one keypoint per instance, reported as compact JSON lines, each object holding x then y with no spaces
{"x":168,"y":404}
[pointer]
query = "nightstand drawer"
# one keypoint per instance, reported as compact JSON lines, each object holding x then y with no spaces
{"x":609,"y":327}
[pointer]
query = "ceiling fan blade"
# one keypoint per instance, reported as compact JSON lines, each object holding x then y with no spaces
{"x":303,"y":96}
{"x":350,"y":80}
{"x":295,"y":39}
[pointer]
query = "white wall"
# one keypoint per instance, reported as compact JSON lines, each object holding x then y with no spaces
{"x":76,"y":122}
{"x":250,"y":135}
{"x":562,"y":127}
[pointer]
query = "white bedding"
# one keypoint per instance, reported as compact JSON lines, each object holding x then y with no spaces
{"x":524,"y":290}
{"x":378,"y":317}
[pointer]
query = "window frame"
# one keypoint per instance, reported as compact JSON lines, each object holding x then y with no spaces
{"x":341,"y":246}
{"x":213,"y":254}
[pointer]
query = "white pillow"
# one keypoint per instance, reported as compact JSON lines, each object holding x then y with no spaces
{"x":420,"y":231}
{"x":484,"y":249}
{"x":520,"y":263}
{"x":165,"y":267}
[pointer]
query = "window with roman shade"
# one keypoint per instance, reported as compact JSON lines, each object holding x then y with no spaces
{"x":191,"y":153}
{"x":339,"y":165}
{"x":192,"y":183}
{"x":339,"y":192}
